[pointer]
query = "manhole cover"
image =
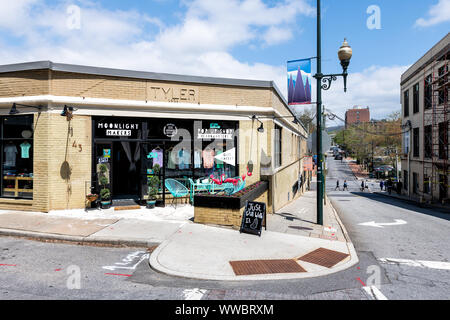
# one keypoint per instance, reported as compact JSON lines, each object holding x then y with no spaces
{"x":249,"y":267}
{"x":324,"y":257}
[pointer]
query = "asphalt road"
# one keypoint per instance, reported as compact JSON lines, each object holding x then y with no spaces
{"x":38,"y":270}
{"x":409,"y":232}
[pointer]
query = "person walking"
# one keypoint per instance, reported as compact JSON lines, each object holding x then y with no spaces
{"x":337,"y":186}
{"x":362,"y":186}
{"x":345,"y":186}
{"x":381,"y":185}
{"x":367,"y":186}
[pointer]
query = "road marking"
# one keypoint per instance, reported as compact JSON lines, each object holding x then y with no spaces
{"x":118,"y":274}
{"x":8,"y":265}
{"x":418,"y":263}
{"x":128,"y":260}
{"x":193,"y":294}
{"x":374,"y":293}
{"x":397,"y":222}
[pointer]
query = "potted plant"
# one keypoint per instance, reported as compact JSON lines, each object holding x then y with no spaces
{"x":105,"y":193}
{"x":153,"y":187}
{"x":105,"y":196}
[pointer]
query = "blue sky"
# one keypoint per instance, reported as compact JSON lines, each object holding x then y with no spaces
{"x":242,"y":39}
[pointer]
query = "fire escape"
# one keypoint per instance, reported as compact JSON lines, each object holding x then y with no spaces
{"x":436,"y":128}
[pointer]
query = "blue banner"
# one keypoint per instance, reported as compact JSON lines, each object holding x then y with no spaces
{"x":299,"y":81}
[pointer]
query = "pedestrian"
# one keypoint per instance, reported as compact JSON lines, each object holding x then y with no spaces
{"x":367,"y":185}
{"x":381,"y":185}
{"x":389,"y":186}
{"x":345,"y":185}
{"x":337,"y":186}
{"x":362,"y":186}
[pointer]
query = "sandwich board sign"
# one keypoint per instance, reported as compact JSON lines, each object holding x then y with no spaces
{"x":253,"y":218}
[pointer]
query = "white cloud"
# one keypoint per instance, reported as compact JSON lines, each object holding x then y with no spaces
{"x":199,"y":44}
{"x":276,"y":35}
{"x":376,"y":87}
{"x":438,"y":13}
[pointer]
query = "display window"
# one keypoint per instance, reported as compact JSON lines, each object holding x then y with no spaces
{"x":143,"y":153}
{"x":17,"y":156}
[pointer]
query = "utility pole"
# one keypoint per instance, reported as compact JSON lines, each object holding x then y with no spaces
{"x":324,"y":82}
{"x":319,"y":122}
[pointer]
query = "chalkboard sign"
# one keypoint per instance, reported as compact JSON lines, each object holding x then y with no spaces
{"x":253,"y":217}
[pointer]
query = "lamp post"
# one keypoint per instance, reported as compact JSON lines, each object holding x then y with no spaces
{"x":324,"y":82}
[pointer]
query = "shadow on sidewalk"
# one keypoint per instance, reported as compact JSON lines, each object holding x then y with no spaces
{"x":405,"y":205}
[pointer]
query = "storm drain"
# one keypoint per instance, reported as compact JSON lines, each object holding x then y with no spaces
{"x":249,"y":267}
{"x":324,"y":257}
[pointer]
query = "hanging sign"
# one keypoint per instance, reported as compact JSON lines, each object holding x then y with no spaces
{"x":299,"y":81}
{"x":253,"y":218}
{"x":215,"y":133}
{"x":228,"y":157}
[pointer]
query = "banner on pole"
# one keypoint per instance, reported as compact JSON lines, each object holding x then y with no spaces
{"x":299,"y":81}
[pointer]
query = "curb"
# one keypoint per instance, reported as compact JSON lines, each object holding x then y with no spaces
{"x":74,"y":239}
{"x":155,"y":265}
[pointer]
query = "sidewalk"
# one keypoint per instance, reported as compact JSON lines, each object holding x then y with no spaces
{"x":293,"y":246}
{"x":356,"y":169}
{"x":436,"y":206}
{"x":214,"y":253}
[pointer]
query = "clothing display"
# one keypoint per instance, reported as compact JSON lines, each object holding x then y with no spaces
{"x":159,"y":157}
{"x":197,"y":160}
{"x":10,"y":155}
{"x":184,"y":159}
{"x":208,"y":158}
{"x":219,"y":163}
{"x":171,"y":159}
{"x":25,"y":148}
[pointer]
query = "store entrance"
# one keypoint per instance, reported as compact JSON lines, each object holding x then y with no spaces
{"x":126,"y":164}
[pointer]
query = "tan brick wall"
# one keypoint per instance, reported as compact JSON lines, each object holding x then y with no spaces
{"x":70,"y":143}
{"x":24,"y":83}
{"x":225,"y":217}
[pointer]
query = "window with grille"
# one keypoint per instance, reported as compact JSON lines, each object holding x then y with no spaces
{"x":406,"y":103}
{"x":416,"y":98}
{"x":416,"y":145}
{"x":428,"y":96}
{"x":428,"y":142}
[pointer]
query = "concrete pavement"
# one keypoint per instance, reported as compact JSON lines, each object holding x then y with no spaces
{"x":192,"y":250}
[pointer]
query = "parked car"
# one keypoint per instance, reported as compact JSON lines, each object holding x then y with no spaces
{"x":338,"y":157}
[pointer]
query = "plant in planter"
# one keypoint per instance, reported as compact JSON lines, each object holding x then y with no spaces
{"x":105,"y":193}
{"x":153,"y":187}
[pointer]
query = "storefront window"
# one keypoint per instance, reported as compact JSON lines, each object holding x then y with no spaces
{"x":17,"y":156}
{"x":188,"y":151}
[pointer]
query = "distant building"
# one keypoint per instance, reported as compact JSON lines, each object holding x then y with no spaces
{"x":357,"y":115}
{"x":425,"y":91}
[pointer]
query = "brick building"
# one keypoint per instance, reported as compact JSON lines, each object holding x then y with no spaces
{"x":357,"y":115}
{"x":60,"y":122}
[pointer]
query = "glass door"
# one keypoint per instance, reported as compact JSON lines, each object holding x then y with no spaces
{"x":103,"y":167}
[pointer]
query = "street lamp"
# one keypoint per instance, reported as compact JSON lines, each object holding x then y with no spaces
{"x":324,"y":82}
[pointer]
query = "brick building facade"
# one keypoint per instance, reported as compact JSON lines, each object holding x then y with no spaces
{"x":131,"y":114}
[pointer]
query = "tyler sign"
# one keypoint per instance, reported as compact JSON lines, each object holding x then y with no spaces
{"x":115,"y":129}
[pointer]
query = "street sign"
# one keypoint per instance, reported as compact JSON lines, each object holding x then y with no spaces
{"x":253,"y":217}
{"x":326,"y":142}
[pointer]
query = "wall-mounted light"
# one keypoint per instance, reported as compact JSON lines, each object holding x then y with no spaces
{"x":261,"y":127}
{"x":14,"y":110}
{"x":68,"y":112}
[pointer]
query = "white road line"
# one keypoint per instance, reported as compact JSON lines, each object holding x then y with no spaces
{"x":193,"y":294}
{"x":418,"y":263}
{"x":374,"y":293}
